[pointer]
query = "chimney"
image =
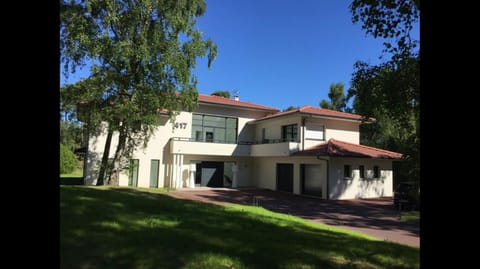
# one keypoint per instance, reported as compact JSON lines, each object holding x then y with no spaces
{"x":235,"y":96}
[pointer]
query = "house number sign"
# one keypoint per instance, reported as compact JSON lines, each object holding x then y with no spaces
{"x":180,"y":125}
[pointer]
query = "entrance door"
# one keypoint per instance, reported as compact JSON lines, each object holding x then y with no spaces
{"x":154,"y":164}
{"x":285,"y":177}
{"x":312,"y":181}
{"x":212,"y":174}
{"x":133,"y":178}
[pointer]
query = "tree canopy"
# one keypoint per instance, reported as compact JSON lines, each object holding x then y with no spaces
{"x":390,"y":91}
{"x":290,"y":108}
{"x":142,"y":54}
{"x":225,"y":94}
{"x":337,"y":98}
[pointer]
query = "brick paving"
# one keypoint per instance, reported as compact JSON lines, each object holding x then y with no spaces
{"x":375,"y":217}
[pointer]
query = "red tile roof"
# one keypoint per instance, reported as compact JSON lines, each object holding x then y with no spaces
{"x":337,"y":148}
{"x":318,"y":112}
{"x":212,"y":99}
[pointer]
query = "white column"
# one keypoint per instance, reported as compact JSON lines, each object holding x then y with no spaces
{"x":192,"y":170}
{"x":174,"y":172}
{"x":179,"y":171}
{"x":234,"y":179}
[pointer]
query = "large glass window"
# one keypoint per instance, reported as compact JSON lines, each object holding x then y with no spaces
{"x":206,"y":128}
{"x":290,"y":133}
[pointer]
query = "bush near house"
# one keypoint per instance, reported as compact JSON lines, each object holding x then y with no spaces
{"x":68,"y":160}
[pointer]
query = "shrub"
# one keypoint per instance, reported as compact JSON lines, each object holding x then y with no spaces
{"x":68,"y":161}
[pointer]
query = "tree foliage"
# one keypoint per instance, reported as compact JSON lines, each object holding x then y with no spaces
{"x":68,"y":161}
{"x":337,"y":98}
{"x":142,"y":54}
{"x":390,"y":91}
{"x":290,"y":108}
{"x":392,"y":20}
{"x":225,"y":94}
{"x":71,"y":135}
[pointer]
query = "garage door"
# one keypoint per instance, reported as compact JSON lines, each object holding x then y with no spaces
{"x":285,"y":177}
{"x":212,"y":174}
{"x":312,"y":183}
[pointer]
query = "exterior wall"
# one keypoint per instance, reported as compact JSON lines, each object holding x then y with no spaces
{"x":275,"y":149}
{"x":160,"y":148}
{"x":95,"y":153}
{"x":154,"y":150}
{"x":340,"y":188}
{"x":347,"y":131}
{"x":273,"y":127}
{"x":256,"y":163}
{"x":207,"y":148}
{"x":265,"y":171}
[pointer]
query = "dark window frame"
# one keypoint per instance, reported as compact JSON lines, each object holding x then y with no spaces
{"x":290,"y":133}
{"x":347,"y":171}
{"x":361,"y":171}
{"x":376,"y":171}
{"x":203,"y":136}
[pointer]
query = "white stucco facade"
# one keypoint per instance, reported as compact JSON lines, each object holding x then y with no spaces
{"x":254,"y":159}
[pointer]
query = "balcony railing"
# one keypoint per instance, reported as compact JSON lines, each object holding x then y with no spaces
{"x":267,"y":141}
{"x":271,"y":147}
{"x":188,"y":139}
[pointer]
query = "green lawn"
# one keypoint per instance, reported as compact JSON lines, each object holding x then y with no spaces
{"x":105,"y":227}
{"x":411,"y":216}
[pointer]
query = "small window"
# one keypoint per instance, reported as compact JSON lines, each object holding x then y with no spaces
{"x":290,"y":133}
{"x":209,"y":137}
{"x":361,"y":170}
{"x":347,"y":171}
{"x":198,"y":136}
{"x":376,"y":172}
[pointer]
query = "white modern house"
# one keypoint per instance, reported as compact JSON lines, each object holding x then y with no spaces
{"x":232,"y":143}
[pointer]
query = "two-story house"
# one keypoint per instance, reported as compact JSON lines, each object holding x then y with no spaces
{"x":232,"y":143}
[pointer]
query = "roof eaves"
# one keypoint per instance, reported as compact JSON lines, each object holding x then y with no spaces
{"x":239,"y":105}
{"x":330,"y":116}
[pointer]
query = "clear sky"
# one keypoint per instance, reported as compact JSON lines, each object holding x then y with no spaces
{"x":280,"y":52}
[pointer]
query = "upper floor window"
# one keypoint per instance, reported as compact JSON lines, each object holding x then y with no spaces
{"x":315,"y":132}
{"x":206,"y":128}
{"x":347,"y":171}
{"x":361,"y":170}
{"x":376,"y":172}
{"x":290,"y":133}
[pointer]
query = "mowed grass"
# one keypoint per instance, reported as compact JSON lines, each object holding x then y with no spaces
{"x":411,"y":216}
{"x":106,"y":227}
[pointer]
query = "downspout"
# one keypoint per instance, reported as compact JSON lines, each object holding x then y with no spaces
{"x":303,"y":133}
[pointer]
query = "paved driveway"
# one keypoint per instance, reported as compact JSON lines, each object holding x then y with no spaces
{"x":375,"y":217}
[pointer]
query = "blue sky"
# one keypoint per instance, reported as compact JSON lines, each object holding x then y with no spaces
{"x":280,"y":52}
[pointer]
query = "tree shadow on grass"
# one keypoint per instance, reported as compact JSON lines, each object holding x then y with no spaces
{"x":128,"y":228}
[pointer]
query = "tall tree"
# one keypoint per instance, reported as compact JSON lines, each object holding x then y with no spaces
{"x":142,"y":54}
{"x":290,"y":108}
{"x":391,"y":20}
{"x":225,"y":94}
{"x":390,"y":91}
{"x":337,"y":98}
